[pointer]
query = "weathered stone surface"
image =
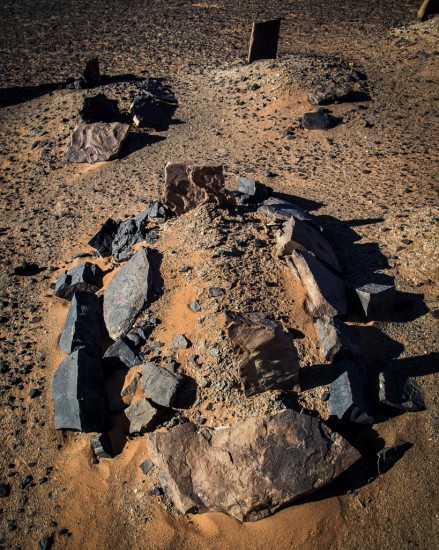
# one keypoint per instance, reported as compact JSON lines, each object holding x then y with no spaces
{"x":98,"y":108}
{"x":252,"y":468}
{"x":336,"y":339}
{"x":101,"y":445}
{"x":77,"y":393}
{"x":377,"y":300}
{"x":398,"y":391}
{"x":348,"y":399}
{"x":325,"y":291}
{"x":324,"y":95}
{"x":102,"y":240}
{"x":120,"y":355}
{"x":146,"y":466}
{"x":281,"y":210}
{"x":195,"y":306}
{"x":266,"y":356}
{"x":127,"y":294}
{"x":86,"y":277}
{"x":142,"y":416}
{"x":96,"y":142}
{"x":189,"y":185}
{"x":297,"y":234}
{"x":83,"y":328}
{"x":148,"y":112}
{"x":161,"y":385}
{"x":320,"y":119}
{"x":180,"y":342}
{"x":128,"y":234}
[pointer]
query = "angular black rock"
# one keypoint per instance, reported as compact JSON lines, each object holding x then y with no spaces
{"x":142,"y":416}
{"x":337,"y":339}
{"x":320,"y":119}
{"x":128,"y":234}
{"x":251,"y":192}
{"x":120,"y":355}
{"x":159,"y":91}
{"x":161,"y":385}
{"x":98,"y":108}
{"x":84,"y":325}
{"x":348,"y":400}
{"x":377,"y":300}
{"x":86,"y":277}
{"x":101,"y":445}
{"x":5,"y":489}
{"x":146,"y":466}
{"x":46,"y":542}
{"x":398,"y":391}
{"x":148,"y":112}
{"x":155,"y":209}
{"x":103,"y":239}
{"x":77,"y":393}
{"x":388,"y":456}
{"x":92,"y":74}
{"x":282,"y":210}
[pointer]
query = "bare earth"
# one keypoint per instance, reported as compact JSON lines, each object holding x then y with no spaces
{"x":372,"y":181}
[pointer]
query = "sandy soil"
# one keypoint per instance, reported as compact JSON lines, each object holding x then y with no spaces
{"x":372,"y":181}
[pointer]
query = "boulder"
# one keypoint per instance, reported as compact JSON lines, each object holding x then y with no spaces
{"x":98,"y":108}
{"x":398,"y":391}
{"x":161,"y":385}
{"x":83,"y":328}
{"x":188,"y":185}
{"x":102,"y":241}
{"x":147,"y":112}
{"x":326,"y":294}
{"x":86,"y":277}
{"x":142,"y":416}
{"x":297,"y":234}
{"x":281,"y":210}
{"x":377,"y":301}
{"x":77,"y":393}
{"x":120,"y":356}
{"x":324,"y":95}
{"x":96,"y":142}
{"x":127,"y":294}
{"x":128,"y":234}
{"x":336,"y":339}
{"x":265,"y":355}
{"x":252,"y":468}
{"x":320,"y":119}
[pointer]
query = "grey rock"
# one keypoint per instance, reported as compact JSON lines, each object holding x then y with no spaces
{"x":325,"y":95}
{"x":320,"y":119}
{"x":86,"y":277}
{"x":180,"y":342}
{"x":127,"y":294}
{"x":251,"y":191}
{"x":161,"y":385}
{"x":128,"y":234}
{"x":142,"y":416}
{"x":195,"y":306}
{"x":252,"y":468}
{"x":98,"y":108}
{"x":101,"y":445}
{"x":102,"y":240}
{"x":281,"y":210}
{"x":147,"y":112}
{"x":326,"y":294}
{"x":377,"y":300}
{"x":97,"y":142}
{"x":83,"y":328}
{"x":120,"y":355}
{"x":398,"y":391}
{"x":336,"y":339}
{"x":77,"y":393}
{"x":265,"y":355}
{"x":146,"y":466}
{"x":215,"y":292}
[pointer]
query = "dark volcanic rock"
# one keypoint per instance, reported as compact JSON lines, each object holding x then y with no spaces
{"x":92,"y":74}
{"x":324,"y":95}
{"x":142,"y":416}
{"x":377,"y":300}
{"x":336,"y":339}
{"x":102,"y":240}
{"x":398,"y":391}
{"x":96,"y":142}
{"x":251,"y":191}
{"x":252,"y":468}
{"x":148,"y":112}
{"x":83,"y":329}
{"x":266,"y":356}
{"x":320,"y":119}
{"x":86,"y":277}
{"x":189,"y":185}
{"x":127,"y":294}
{"x":120,"y":355}
{"x":101,"y":445}
{"x":77,"y":393}
{"x":155,"y":88}
{"x":5,"y":489}
{"x":281,"y":210}
{"x":161,"y":385}
{"x":128,"y":234}
{"x":98,"y":108}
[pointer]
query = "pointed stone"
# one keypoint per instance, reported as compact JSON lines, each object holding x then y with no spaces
{"x":377,"y":301}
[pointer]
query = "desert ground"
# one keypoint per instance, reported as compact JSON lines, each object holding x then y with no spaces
{"x":371,"y":181}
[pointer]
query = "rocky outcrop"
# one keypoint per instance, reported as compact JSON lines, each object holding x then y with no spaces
{"x":96,"y":142}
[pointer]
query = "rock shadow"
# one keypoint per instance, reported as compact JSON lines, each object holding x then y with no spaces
{"x":136,"y":141}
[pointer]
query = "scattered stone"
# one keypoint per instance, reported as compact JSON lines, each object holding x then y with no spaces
{"x":264,"y":39}
{"x":326,"y":294}
{"x":161,"y":385}
{"x":86,"y":277}
{"x":127,"y":294}
{"x":266,"y":356}
{"x":90,"y":77}
{"x":398,"y":391}
{"x":297,"y":234}
{"x":215,"y":292}
{"x":98,"y":108}
{"x":34,"y":393}
{"x":142,"y":416}
{"x":46,"y":543}
{"x":281,"y":210}
{"x":102,"y":240}
{"x":252,"y":192}
{"x":337,"y":340}
{"x":388,"y":456}
{"x":77,"y":393}
{"x":83,"y":328}
{"x":158,"y":90}
{"x":101,"y":445}
{"x":26,"y":481}
{"x":195,"y":306}
{"x":252,"y":468}
{"x":324,"y":95}
{"x":189,"y":185}
{"x":120,"y":356}
{"x":147,"y":112}
{"x":146,"y":466}
{"x":377,"y":301}
{"x":128,"y":234}
{"x":97,"y":142}
{"x":320,"y":119}
{"x":5,"y":490}
{"x":180,"y":342}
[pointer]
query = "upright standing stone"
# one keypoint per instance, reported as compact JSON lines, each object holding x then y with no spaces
{"x":377,"y":300}
{"x":264,"y":39}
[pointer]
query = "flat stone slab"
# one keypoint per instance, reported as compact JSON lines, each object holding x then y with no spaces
{"x":86,"y":277}
{"x":266,"y":356}
{"x":160,"y":384}
{"x":127,"y":294}
{"x":142,"y":416}
{"x":282,"y":210}
{"x":252,"y":468}
{"x":325,"y":291}
{"x":96,"y":142}
{"x":77,"y":393}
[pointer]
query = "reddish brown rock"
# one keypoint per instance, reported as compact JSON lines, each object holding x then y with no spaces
{"x":96,"y":142}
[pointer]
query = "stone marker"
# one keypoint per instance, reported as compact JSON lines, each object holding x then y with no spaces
{"x":142,"y":416}
{"x":101,"y":445}
{"x":161,"y":385}
{"x":263,"y":40}
{"x":77,"y":393}
{"x":86,"y":277}
{"x":320,"y":119}
{"x":83,"y":328}
{"x":90,"y":77}
{"x":398,"y":391}
{"x":129,"y":233}
{"x":324,"y":95}
{"x":252,"y":468}
{"x":120,"y":356}
{"x":98,"y":108}
{"x":336,"y":339}
{"x":96,"y":142}
{"x":326,"y":294}
{"x":348,"y":400}
{"x":127,"y":294}
{"x":282,"y":210}
{"x":377,"y":301}
{"x":147,"y":112}
{"x":266,"y":356}
{"x":102,"y":240}
{"x":188,"y":185}
{"x":297,"y":234}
